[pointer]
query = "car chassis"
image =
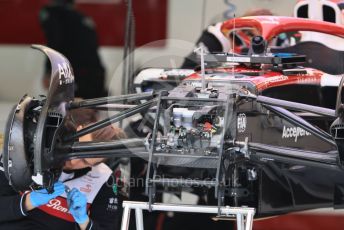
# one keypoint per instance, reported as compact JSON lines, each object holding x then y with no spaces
{"x":248,"y":145}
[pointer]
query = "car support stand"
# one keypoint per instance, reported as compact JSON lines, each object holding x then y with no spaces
{"x":244,"y":215}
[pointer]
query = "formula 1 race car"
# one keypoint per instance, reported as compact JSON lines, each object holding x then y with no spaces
{"x":258,"y":130}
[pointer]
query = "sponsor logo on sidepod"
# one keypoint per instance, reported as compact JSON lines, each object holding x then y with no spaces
{"x":294,"y":132}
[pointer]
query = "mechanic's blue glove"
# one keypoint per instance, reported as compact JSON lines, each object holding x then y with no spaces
{"x":41,"y":197}
{"x":77,"y":203}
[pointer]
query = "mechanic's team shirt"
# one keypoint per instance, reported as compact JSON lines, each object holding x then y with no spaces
{"x":89,"y":184}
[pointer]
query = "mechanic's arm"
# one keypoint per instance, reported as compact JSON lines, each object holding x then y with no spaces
{"x":40,"y":197}
{"x":13,"y":202}
{"x":77,"y":204}
{"x":17,"y":206}
{"x":102,"y":216}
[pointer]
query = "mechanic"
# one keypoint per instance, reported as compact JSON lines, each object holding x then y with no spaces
{"x":93,"y":199}
{"x":73,"y":34}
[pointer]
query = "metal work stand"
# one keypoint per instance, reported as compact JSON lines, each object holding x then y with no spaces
{"x":244,"y":216}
